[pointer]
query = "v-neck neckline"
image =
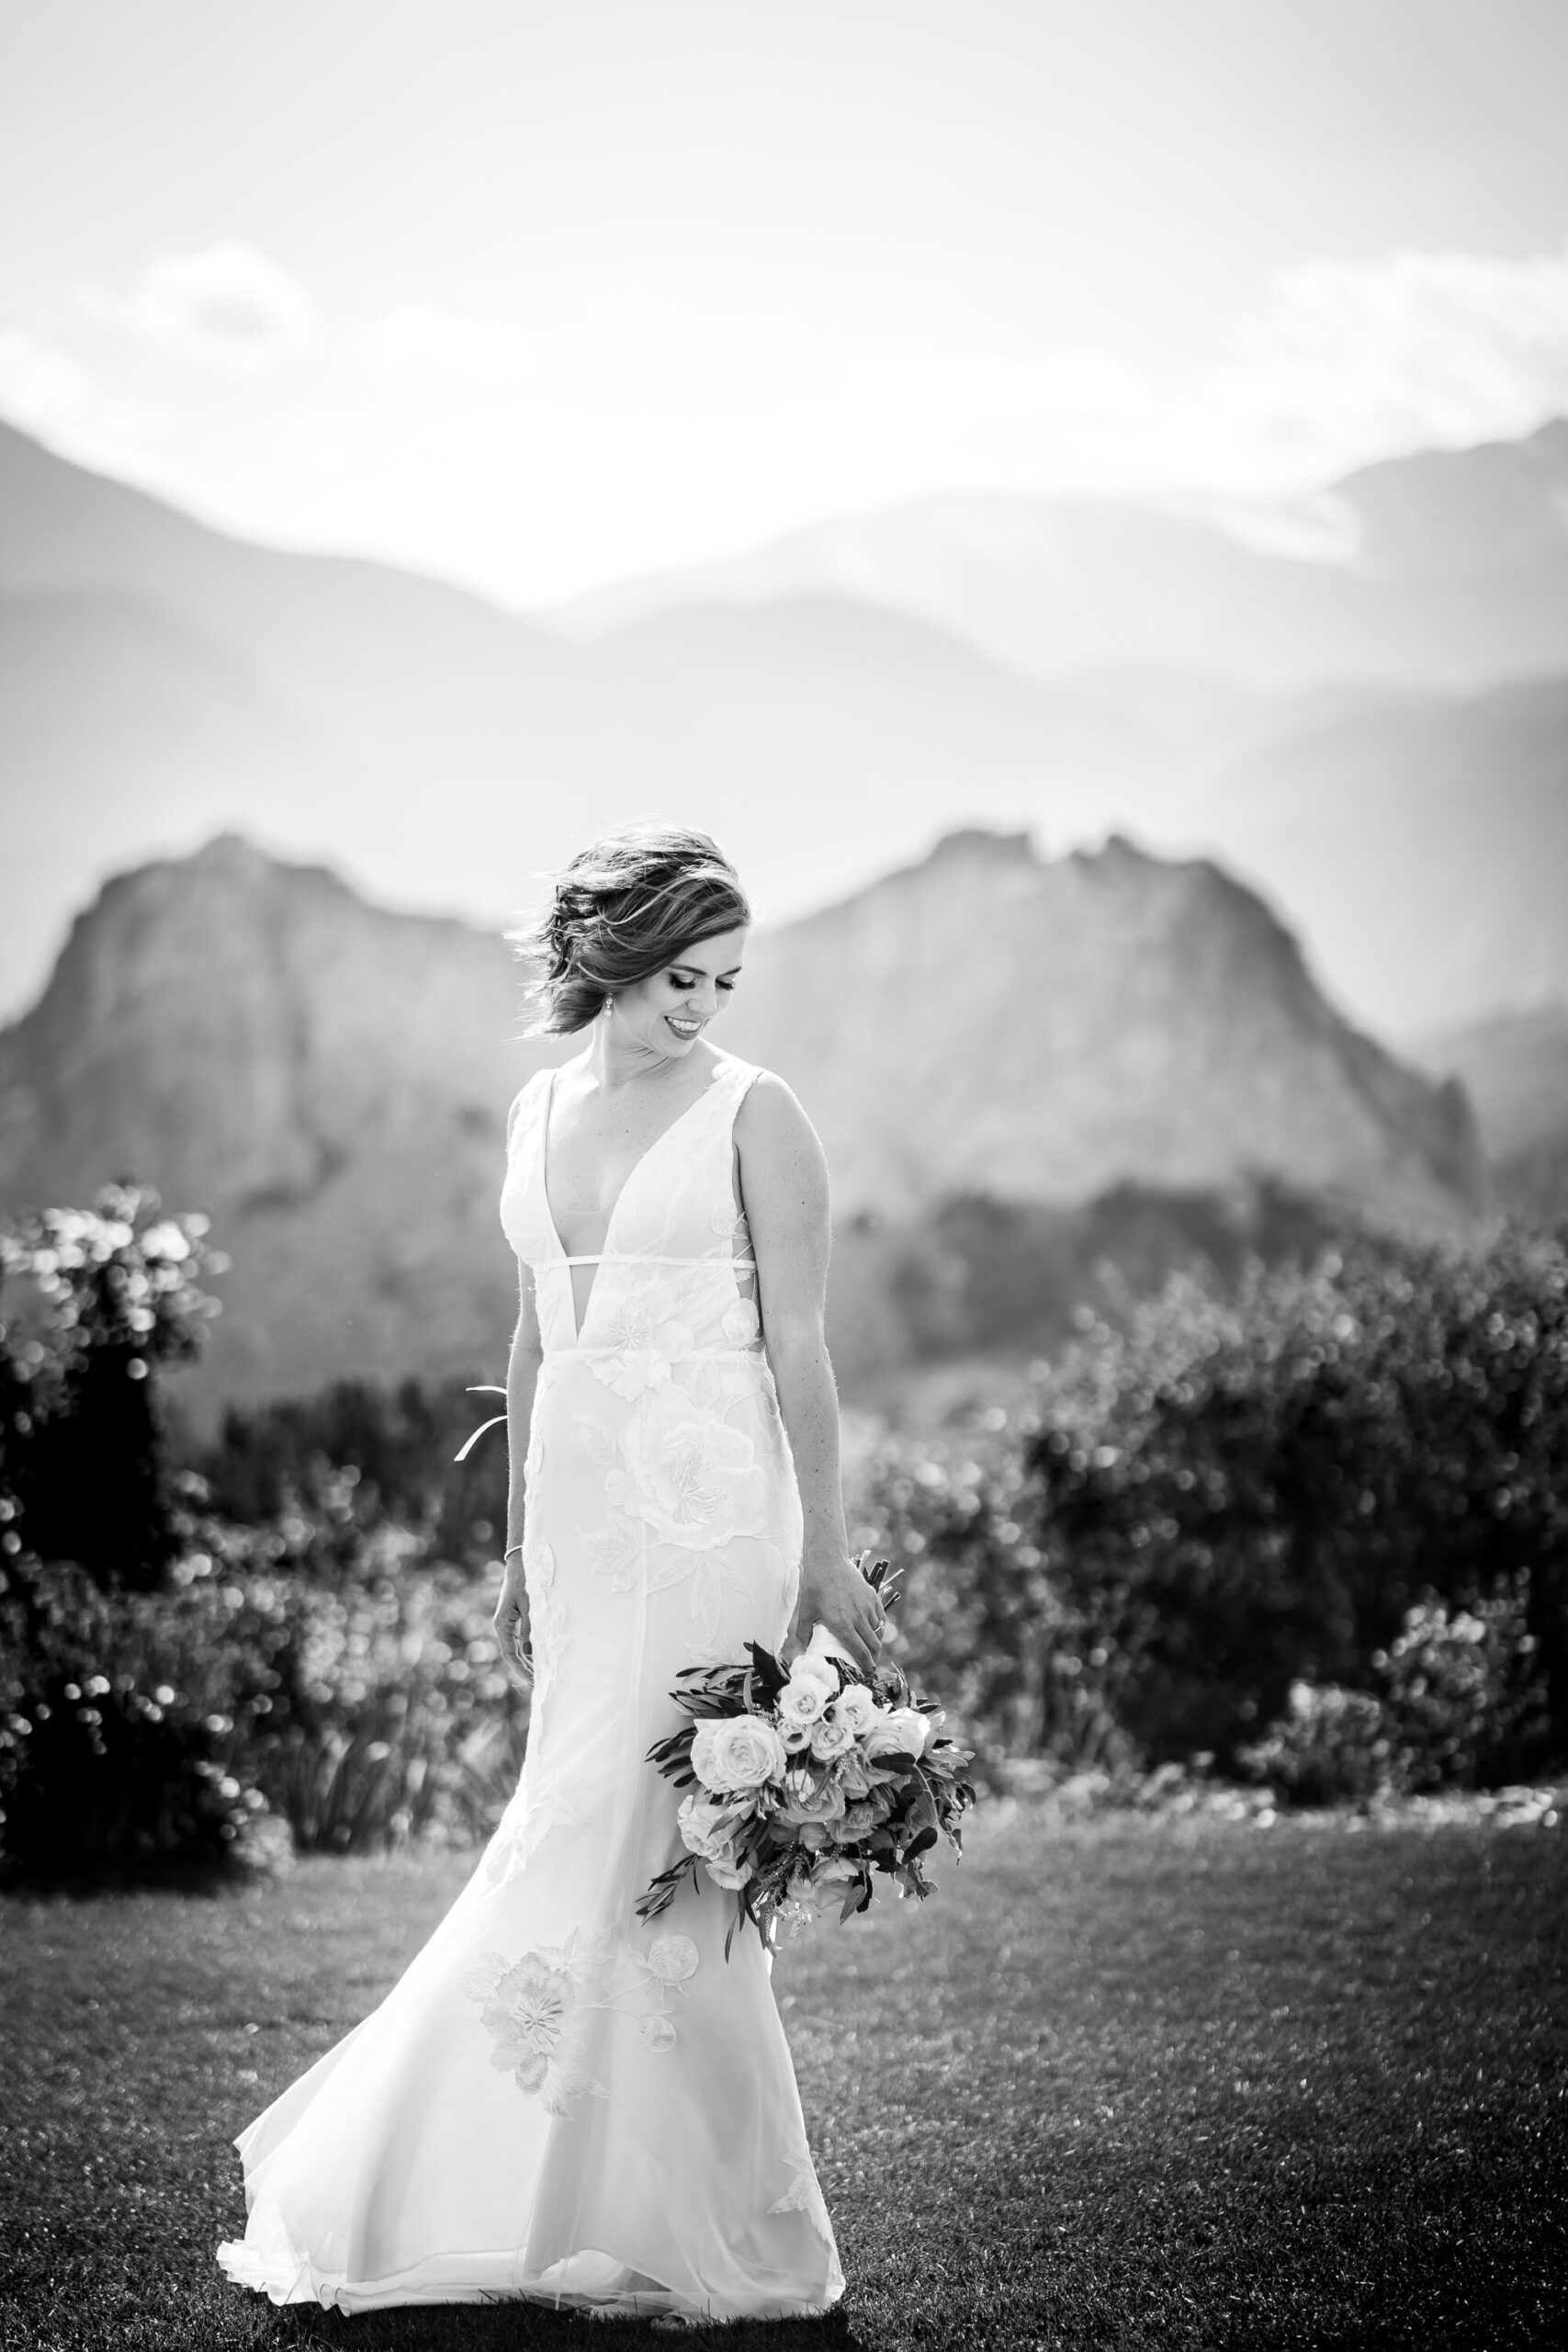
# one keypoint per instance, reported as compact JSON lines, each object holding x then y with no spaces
{"x":562,"y":1254}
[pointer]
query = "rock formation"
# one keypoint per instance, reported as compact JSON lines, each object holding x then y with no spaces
{"x":1042,"y":1029}
{"x":330,"y":1079}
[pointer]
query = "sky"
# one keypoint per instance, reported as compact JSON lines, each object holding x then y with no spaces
{"x":538,"y":297}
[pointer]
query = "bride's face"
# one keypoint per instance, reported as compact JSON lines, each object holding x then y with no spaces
{"x":668,"y":1012}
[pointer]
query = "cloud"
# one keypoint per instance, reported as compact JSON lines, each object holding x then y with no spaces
{"x":638,"y":424}
{"x":1348,"y":362}
{"x":898,"y":421}
{"x":227,"y":306}
{"x":484,"y":355}
{"x":62,"y":400}
{"x":987,"y":387}
{"x":41,"y":387}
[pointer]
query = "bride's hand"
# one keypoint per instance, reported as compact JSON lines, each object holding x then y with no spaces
{"x":834,"y":1593}
{"x":510,"y":1621}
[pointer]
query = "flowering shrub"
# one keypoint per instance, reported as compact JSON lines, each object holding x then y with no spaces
{"x":1455,"y":1703}
{"x":981,"y":1616}
{"x":1330,"y":1744}
{"x":325,"y":1661}
{"x":108,"y":1295}
{"x":1463,"y":1693}
{"x":107,"y":1772}
{"x":364,"y":1711}
{"x":1234,"y":1495}
{"x":1225,"y":1496}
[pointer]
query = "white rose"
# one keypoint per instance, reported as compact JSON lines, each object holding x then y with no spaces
{"x":831,"y":1736}
{"x":736,"y":1752}
{"x":802,"y":1701}
{"x":898,"y":1731}
{"x":724,"y":1870}
{"x":856,"y":1707}
{"x":835,"y":1870}
{"x":706,"y":1829}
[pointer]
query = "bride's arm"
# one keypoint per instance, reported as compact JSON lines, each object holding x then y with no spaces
{"x":784,"y":1188}
{"x":522,"y":1374}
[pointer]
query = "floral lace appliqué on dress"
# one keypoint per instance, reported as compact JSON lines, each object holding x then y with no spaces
{"x":536,"y":2008}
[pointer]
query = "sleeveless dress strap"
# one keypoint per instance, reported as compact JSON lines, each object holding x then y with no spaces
{"x":520,"y":1104}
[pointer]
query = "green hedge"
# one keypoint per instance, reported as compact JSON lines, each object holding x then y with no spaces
{"x":1228,"y":1497}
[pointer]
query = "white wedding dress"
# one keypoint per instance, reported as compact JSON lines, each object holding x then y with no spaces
{"x":556,"y":2100}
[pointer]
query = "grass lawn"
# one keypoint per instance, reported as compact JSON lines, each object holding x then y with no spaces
{"x":1207,"y":2085}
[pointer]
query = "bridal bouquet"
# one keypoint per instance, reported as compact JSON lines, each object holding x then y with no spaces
{"x":808,"y":1782}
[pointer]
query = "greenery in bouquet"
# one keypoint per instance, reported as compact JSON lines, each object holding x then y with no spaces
{"x":808,"y":1782}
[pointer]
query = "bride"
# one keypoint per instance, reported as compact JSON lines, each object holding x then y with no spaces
{"x":557,"y":2101}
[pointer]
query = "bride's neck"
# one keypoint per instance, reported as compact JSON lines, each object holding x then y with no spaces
{"x":615,"y":1062}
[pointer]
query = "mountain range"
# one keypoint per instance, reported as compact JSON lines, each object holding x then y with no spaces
{"x":1444,"y":571}
{"x":1357,"y":703}
{"x":985,"y":1037}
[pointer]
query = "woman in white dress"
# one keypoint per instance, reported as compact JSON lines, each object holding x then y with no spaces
{"x":557,"y":2101}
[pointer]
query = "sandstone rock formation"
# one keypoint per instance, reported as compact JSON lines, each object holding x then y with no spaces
{"x":327,"y":1080}
{"x":330,"y":1079}
{"x":1041,"y":1029}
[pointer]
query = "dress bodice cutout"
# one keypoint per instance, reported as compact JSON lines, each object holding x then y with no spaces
{"x":676,"y":1239}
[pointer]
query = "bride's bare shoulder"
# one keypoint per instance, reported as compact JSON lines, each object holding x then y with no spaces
{"x":771,"y":1120}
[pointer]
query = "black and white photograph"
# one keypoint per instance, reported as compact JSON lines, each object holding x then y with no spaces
{"x":784,"y":1175}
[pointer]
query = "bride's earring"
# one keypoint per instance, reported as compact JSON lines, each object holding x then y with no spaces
{"x":607,"y":1006}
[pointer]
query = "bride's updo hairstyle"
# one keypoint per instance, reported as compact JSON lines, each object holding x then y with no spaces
{"x":622,"y":910}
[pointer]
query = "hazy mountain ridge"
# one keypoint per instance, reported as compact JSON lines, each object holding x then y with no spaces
{"x":330,"y":1079}
{"x":159,"y":682}
{"x":335,"y":621}
{"x":1515,"y":1068}
{"x":1420,"y":844}
{"x":1445,"y":570}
